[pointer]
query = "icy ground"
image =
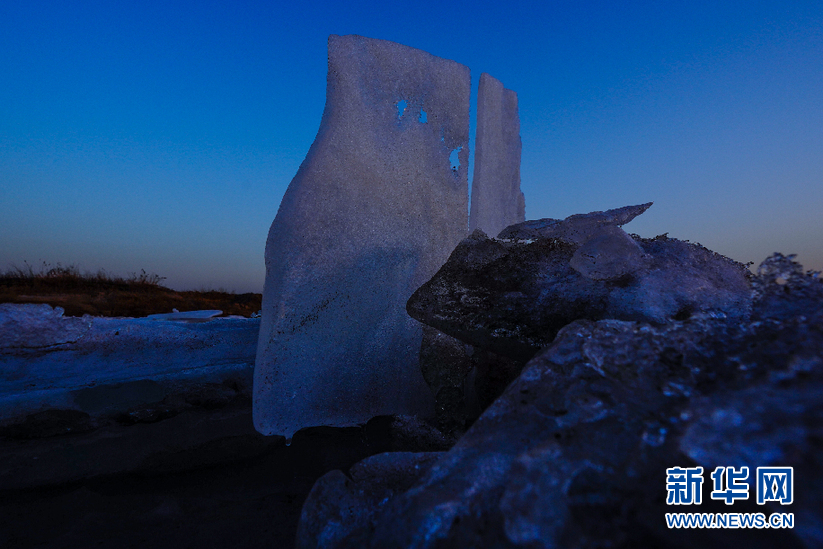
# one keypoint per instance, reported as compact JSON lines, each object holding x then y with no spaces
{"x":101,"y":365}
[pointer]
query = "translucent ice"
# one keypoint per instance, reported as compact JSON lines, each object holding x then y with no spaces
{"x":576,"y":229}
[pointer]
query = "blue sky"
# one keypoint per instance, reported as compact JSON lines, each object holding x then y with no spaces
{"x":162,"y":135}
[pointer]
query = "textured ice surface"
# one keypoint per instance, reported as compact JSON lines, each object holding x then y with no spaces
{"x":576,"y":229}
{"x":373,"y":212}
{"x":511,"y":296}
{"x":32,"y":326}
{"x":574,"y":453}
{"x":497,"y":201}
{"x":47,"y":360}
{"x":608,"y":255}
{"x":335,"y":513}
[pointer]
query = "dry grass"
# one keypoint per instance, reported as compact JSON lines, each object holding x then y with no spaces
{"x":104,"y":294}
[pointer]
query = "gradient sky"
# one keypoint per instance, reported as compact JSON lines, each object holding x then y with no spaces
{"x":162,"y":135}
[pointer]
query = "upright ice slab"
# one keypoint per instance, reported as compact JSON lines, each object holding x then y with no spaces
{"x":374,"y":210}
{"x":101,"y":366}
{"x":497,"y":201}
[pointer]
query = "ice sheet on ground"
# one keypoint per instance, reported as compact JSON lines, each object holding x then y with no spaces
{"x":200,"y":316}
{"x":44,"y":356}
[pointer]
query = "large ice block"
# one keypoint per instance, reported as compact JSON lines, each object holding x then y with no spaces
{"x":374,"y":210}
